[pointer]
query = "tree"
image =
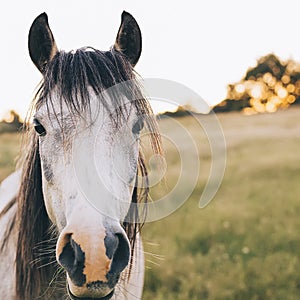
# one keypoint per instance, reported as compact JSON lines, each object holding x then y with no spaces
{"x":12,"y":124}
{"x":270,"y":85}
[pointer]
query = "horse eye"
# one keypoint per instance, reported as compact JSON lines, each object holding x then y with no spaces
{"x":138,"y":126}
{"x":39,"y":128}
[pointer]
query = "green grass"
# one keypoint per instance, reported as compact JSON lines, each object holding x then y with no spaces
{"x":245,"y":244}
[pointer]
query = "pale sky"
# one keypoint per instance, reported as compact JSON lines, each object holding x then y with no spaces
{"x":204,"y":45}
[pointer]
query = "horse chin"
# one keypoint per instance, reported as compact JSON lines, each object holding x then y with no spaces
{"x":107,"y":297}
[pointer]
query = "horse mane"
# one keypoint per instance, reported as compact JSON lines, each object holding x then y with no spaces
{"x":32,"y":270}
{"x":71,"y":74}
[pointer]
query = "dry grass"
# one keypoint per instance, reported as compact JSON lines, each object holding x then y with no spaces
{"x":9,"y":149}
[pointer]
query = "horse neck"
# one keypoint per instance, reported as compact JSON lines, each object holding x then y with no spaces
{"x":8,"y":208}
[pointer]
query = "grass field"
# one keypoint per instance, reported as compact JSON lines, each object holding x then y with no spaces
{"x":245,"y":244}
{"x":9,"y":150}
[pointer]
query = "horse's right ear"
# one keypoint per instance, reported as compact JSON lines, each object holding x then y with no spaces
{"x":41,"y":43}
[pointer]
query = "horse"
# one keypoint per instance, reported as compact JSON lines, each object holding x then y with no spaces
{"x":57,"y":242}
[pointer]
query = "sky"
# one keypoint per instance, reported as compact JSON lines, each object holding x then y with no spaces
{"x":204,"y":45}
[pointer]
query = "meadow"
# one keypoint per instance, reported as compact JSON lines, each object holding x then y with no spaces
{"x":245,"y":244}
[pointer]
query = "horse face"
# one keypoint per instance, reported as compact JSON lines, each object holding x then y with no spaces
{"x":89,"y":171}
{"x":89,"y":165}
{"x":88,"y":159}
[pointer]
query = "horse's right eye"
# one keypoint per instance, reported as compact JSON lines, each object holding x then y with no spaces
{"x":39,"y":128}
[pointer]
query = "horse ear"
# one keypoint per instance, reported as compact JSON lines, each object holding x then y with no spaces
{"x":41,"y":43}
{"x":129,"y":38}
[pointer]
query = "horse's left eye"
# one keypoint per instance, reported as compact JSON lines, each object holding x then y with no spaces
{"x":138,"y":126}
{"x":39,"y":128}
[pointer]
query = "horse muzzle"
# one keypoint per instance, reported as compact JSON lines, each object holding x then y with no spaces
{"x":93,"y":261}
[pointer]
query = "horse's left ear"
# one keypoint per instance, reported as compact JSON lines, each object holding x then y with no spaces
{"x":129,"y":38}
{"x":41,"y":43}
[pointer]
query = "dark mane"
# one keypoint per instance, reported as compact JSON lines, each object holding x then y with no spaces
{"x":71,"y":75}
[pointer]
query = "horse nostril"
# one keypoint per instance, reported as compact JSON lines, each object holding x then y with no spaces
{"x":72,"y":260}
{"x":121,"y":255}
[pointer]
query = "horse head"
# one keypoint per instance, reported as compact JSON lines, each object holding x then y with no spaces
{"x":88,"y":149}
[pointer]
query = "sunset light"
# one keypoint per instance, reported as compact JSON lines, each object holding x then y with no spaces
{"x":149,"y":150}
